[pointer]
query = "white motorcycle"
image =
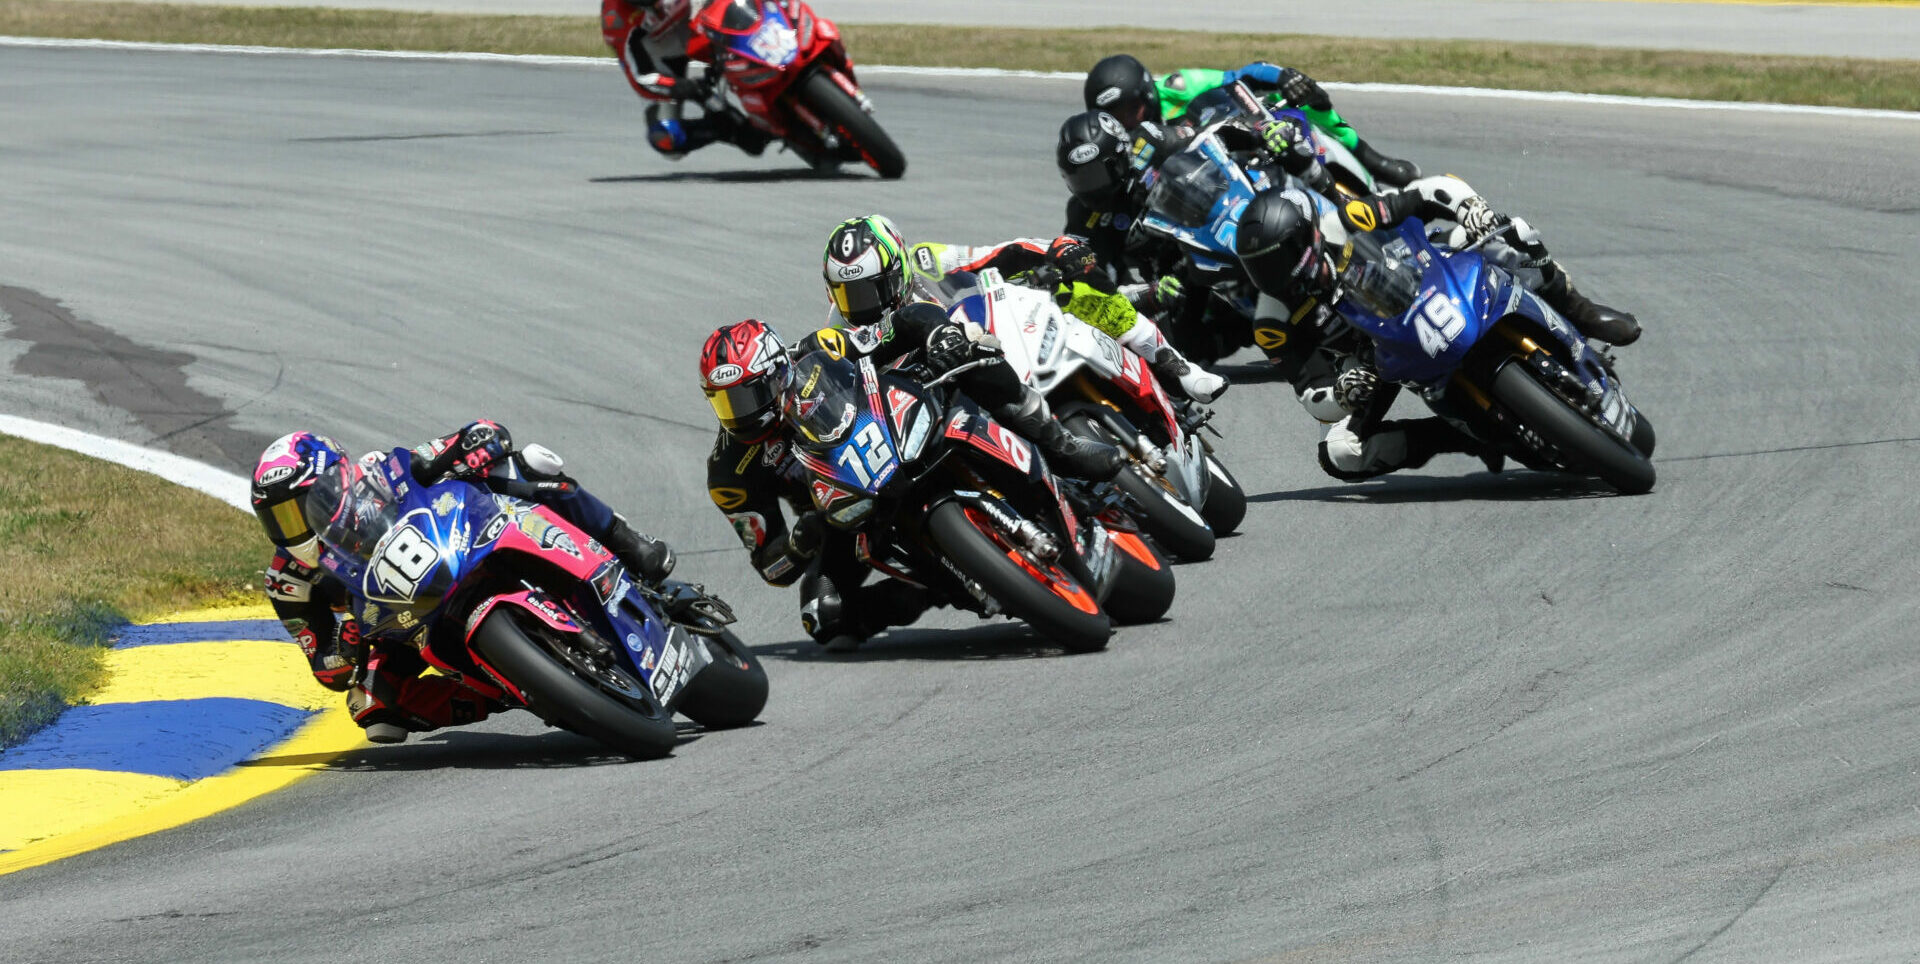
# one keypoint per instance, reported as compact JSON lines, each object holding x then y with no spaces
{"x":1100,"y":389}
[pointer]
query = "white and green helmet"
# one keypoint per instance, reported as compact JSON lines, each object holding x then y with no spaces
{"x":865,"y":269}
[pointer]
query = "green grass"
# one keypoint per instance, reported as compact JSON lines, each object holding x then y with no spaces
{"x":86,"y":545}
{"x":1892,"y":84}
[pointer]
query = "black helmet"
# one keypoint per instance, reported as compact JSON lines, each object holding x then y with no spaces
{"x":1121,"y":86}
{"x":1093,"y":157}
{"x":1279,"y":244}
{"x":865,"y":266}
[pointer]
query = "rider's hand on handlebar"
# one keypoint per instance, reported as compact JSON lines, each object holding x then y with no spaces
{"x":948,"y":348}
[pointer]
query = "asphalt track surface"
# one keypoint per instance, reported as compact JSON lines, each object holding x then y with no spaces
{"x":1822,"y":30}
{"x":1437,"y":716}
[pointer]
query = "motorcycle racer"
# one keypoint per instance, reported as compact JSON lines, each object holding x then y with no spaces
{"x":1288,"y":251}
{"x":1123,"y":87}
{"x":386,"y":691}
{"x":652,"y":39}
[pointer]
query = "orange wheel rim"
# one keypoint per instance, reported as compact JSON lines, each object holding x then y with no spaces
{"x":1131,"y":544}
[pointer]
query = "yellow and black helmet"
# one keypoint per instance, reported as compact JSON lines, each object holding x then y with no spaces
{"x":865,"y":269}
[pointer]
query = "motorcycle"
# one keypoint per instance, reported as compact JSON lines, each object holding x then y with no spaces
{"x":1100,"y":389}
{"x":1487,"y":354}
{"x":941,"y":496}
{"x":524,"y":608}
{"x":1349,"y":177}
{"x":789,"y":75}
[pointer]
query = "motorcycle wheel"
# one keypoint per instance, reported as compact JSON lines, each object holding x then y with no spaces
{"x":1226,"y":504}
{"x":856,"y":126}
{"x":731,"y":691}
{"x":1041,"y":594}
{"x":1584,"y":444}
{"x":1143,"y":585}
{"x":1162,"y":514}
{"x":1643,"y":437}
{"x":558,"y":692}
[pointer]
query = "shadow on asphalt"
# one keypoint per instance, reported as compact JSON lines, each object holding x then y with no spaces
{"x":1515,"y":486}
{"x":471,"y":750}
{"x":757,"y":176}
{"x":1003,"y":640}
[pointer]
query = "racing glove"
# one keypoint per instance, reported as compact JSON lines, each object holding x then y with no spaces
{"x":465,"y":454}
{"x":1166,"y":295}
{"x":1072,"y":258}
{"x":808,"y":533}
{"x":948,"y":349}
{"x":1354,"y":388}
{"x":1477,"y":218}
{"x":1302,"y":91}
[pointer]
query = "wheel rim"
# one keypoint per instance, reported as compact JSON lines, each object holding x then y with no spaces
{"x":1131,"y":544}
{"x":609,"y":678}
{"x":1050,"y":575}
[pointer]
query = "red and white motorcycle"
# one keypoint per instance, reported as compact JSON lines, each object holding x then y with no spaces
{"x":1101,"y":389}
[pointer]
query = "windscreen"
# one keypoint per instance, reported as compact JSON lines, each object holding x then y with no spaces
{"x":740,"y":15}
{"x":826,"y":399}
{"x":1187,"y":189}
{"x":352,"y":509}
{"x":1379,"y":281}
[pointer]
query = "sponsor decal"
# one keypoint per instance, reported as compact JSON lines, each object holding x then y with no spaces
{"x":1360,"y":215}
{"x":725,"y":375}
{"x":1269,"y":338}
{"x":275,"y":475}
{"x":728,"y":498}
{"x":1083,"y":153}
{"x":444,"y":504}
{"x":1111,"y":125}
{"x":309,"y":643}
{"x":826,"y":493}
{"x":751,"y":527}
{"x":1106,"y":97}
{"x":849,"y":272}
{"x":494,"y":528}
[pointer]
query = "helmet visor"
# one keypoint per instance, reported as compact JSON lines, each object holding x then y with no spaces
{"x":284,"y":521}
{"x":863,"y":300}
{"x":741,"y":404}
{"x":1094,"y":180}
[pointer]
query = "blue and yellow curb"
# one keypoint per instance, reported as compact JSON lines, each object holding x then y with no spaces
{"x":202,"y":712}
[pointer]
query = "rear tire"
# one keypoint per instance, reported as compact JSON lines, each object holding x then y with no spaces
{"x":856,"y":126}
{"x":1162,"y":514}
{"x":1143,"y":588}
{"x":1020,"y":593}
{"x":1226,"y":504}
{"x":1584,"y":444}
{"x":731,"y":691}
{"x":557,"y":694}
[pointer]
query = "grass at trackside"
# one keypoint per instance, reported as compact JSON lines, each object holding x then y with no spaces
{"x":85,"y":545}
{"x":1891,"y":84}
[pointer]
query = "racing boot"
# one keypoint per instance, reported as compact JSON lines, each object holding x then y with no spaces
{"x":737,"y":131}
{"x":1080,"y":458}
{"x":1172,"y":368}
{"x":1178,"y":375}
{"x":1391,"y":171}
{"x":643,"y":555}
{"x":1594,"y":320}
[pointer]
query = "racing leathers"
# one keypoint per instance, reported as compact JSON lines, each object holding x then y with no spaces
{"x":386,"y":691}
{"x":1178,"y":89}
{"x":1324,"y":358}
{"x":651,"y":40}
{"x":1086,"y":292}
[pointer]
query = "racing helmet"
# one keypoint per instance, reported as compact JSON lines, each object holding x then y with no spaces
{"x":286,"y":472}
{"x":744,"y":372}
{"x":1093,"y":158}
{"x":866,"y":270}
{"x":1279,"y":243}
{"x":1121,"y":86}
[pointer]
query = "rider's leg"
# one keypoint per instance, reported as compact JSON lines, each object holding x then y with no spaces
{"x":1172,"y":368}
{"x":392,"y":699}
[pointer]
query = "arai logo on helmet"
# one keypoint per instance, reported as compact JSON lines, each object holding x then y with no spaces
{"x":725,"y":375}
{"x":848,"y":272}
{"x":275,"y":475}
{"x":1107,"y":96}
{"x":1083,"y":153}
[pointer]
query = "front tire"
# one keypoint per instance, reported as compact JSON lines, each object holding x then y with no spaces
{"x":559,"y":694}
{"x":1226,"y":505}
{"x":1143,"y":585}
{"x":855,"y":126}
{"x":1162,"y":514}
{"x":729,"y":692}
{"x":1585,"y":445}
{"x":1048,"y":599}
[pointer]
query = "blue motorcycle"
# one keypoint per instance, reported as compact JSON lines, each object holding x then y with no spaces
{"x":1487,"y":354}
{"x":522,"y":607}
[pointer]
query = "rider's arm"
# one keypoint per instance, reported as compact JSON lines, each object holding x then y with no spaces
{"x":745,"y":490}
{"x":469,"y":452}
{"x":1300,"y":91}
{"x":305,"y":600}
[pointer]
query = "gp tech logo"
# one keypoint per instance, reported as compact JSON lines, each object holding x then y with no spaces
{"x":1107,"y":97}
{"x":1083,"y":153}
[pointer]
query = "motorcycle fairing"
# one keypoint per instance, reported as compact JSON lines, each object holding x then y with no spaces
{"x":1449,"y":315}
{"x":1209,"y":242}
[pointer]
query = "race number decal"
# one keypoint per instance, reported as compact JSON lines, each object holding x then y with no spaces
{"x":870,"y":447}
{"x":408,"y":558}
{"x":1015,"y":446}
{"x":670,"y":672}
{"x":1438,"y":323}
